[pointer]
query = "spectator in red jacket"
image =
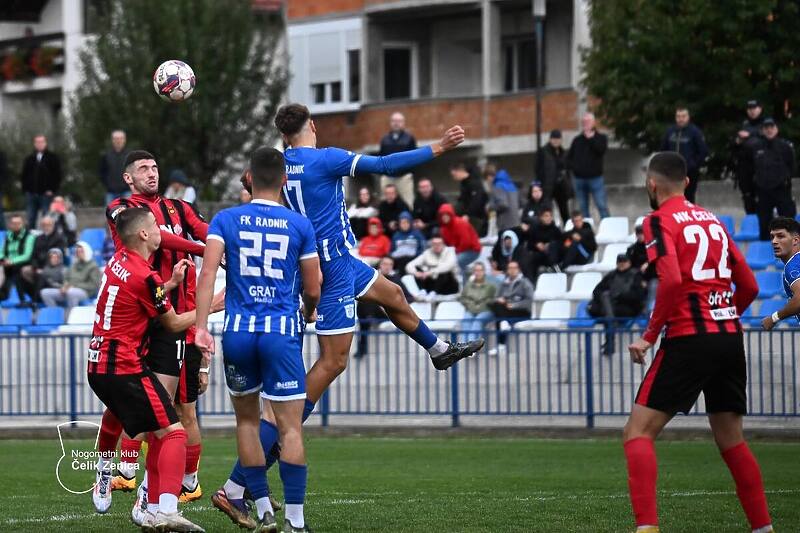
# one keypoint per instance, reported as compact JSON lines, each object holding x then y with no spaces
{"x":461,"y":235}
{"x":375,"y":244}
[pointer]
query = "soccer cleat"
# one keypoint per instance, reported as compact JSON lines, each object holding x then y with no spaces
{"x":101,"y":494}
{"x":267,"y":524}
{"x":139,"y":510}
{"x":174,"y":522}
{"x":276,"y":505}
{"x":236,"y":510}
{"x":148,"y":523}
{"x":289,"y":528}
{"x":455,"y":353}
{"x":190,"y":495}
{"x":120,"y":482}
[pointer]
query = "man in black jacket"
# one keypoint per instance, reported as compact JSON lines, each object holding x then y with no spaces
{"x":545,"y":243}
{"x":41,"y":179}
{"x":112,"y":165}
{"x":555,"y":178}
{"x":774,"y":165}
{"x":621,"y":293}
{"x":687,"y":139}
{"x":749,"y":131}
{"x":47,"y":240}
{"x":579,"y":242}
{"x":398,"y":140}
{"x":472,"y":198}
{"x":390,"y":208}
{"x":426,"y":207}
{"x":585,"y":159}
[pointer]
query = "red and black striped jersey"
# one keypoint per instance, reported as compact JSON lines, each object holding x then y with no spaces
{"x":131,"y":293}
{"x":697,"y":262}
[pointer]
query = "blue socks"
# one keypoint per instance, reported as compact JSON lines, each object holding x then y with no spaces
{"x":307,"y":409}
{"x":294,"y":482}
{"x":424,"y":336}
{"x":256,"y":477}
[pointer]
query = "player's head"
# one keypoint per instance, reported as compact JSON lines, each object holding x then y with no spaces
{"x":141,"y":172}
{"x":785,"y":235}
{"x":137,"y":228}
{"x":267,"y":170}
{"x":666,"y":177}
{"x":294,"y":121}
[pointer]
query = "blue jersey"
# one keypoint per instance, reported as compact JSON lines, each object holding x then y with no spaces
{"x":264,"y":244}
{"x":791,"y":273}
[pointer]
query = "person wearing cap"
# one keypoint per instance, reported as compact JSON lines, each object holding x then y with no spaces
{"x":554,"y":175}
{"x":620,"y":294}
{"x":688,"y":140}
{"x":748,"y":132}
{"x":773,"y":164}
{"x":179,"y":187}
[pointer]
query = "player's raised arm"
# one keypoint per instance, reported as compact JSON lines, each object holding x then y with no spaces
{"x":205,"y":289}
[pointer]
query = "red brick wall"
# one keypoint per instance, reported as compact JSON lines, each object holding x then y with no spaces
{"x":296,"y":9}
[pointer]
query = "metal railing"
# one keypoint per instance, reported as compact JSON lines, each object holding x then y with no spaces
{"x":542,"y":372}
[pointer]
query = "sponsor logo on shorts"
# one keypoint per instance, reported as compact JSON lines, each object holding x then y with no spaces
{"x":350,"y":310}
{"x":286,"y":385}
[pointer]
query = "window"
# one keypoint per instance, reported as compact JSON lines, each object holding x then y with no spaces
{"x":519,"y":64}
{"x":354,"y":74}
{"x":398,"y":72}
{"x":318,"y":93}
{"x":336,"y":91}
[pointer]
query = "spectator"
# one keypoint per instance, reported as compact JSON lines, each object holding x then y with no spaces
{"x":66,"y":222}
{"x":109,"y":248}
{"x":47,"y":240}
{"x":51,"y":276}
{"x":749,"y":131}
{"x":3,"y":182}
{"x":774,"y":165}
{"x":509,"y":248}
{"x":545,"y":244}
{"x":369,"y":313}
{"x":554,"y":176}
{"x":512,"y":304}
{"x":15,"y":254}
{"x":399,"y":140}
{"x":637,"y":252}
{"x":180,"y":188}
{"x":407,"y":242}
{"x":533,"y":207}
{"x":360,"y":212}
{"x":390,"y":208}
{"x":585,"y":160}
{"x":426,"y":207}
{"x":579,"y":245}
{"x":687,"y":139}
{"x":503,"y":198}
{"x":435,"y":270}
{"x":457,"y":233}
{"x":478,"y":293}
{"x":112,"y":166}
{"x":81,"y":282}
{"x":375,"y":245}
{"x":41,"y":179}
{"x":620,"y":294}
{"x":472,"y":198}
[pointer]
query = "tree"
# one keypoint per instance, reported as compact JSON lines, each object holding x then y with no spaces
{"x":235,"y":54}
{"x":647,"y":56}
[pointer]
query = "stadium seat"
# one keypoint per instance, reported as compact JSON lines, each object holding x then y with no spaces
{"x":423,"y":310}
{"x":612,"y":230}
{"x":770,"y":283}
{"x":760,"y":255}
{"x":94,"y":237}
{"x":554,"y":314}
{"x":550,"y":286}
{"x":589,"y":220}
{"x":448,"y":316}
{"x":80,"y":320}
{"x":410,"y":283}
{"x":638,"y":222}
{"x":767,"y":308}
{"x":608,"y":263}
{"x":727,"y":221}
{"x":17,"y":318}
{"x":748,"y":229}
{"x":583,"y":285}
{"x":582,"y":318}
{"x":47,"y":319}
{"x":12,"y":300}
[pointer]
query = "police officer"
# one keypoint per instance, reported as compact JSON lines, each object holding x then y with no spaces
{"x":774,"y":165}
{"x":747,"y":135}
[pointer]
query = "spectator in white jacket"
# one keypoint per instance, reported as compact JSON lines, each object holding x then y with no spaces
{"x":436,"y":270}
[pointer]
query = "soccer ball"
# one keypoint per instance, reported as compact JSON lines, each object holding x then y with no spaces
{"x":174,"y":80}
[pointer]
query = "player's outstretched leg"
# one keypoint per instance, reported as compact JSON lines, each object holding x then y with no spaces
{"x":444,"y":354}
{"x":729,"y":436}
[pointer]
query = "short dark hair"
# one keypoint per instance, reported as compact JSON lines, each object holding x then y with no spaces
{"x":267,"y":167}
{"x":390,"y":186}
{"x":458,"y":165}
{"x":291,"y":118}
{"x":546,"y":210}
{"x":669,"y":165}
{"x":576,"y":213}
{"x":786,"y":223}
{"x":129,"y":221}
{"x":681,"y":107}
{"x":137,"y":155}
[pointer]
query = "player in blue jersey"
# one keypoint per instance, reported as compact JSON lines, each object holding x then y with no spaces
{"x":271,"y":260}
{"x":785,"y":233}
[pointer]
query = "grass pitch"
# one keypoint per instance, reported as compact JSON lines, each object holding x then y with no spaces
{"x":438,"y":484}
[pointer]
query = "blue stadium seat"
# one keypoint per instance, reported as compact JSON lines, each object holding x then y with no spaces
{"x":727,"y":221}
{"x":94,"y":237}
{"x":748,"y":229}
{"x":767,"y":308}
{"x":770,"y":283}
{"x":48,"y":319}
{"x":2,"y":237}
{"x":760,"y":255}
{"x":12,"y":300}
{"x":17,"y":318}
{"x":582,"y":318}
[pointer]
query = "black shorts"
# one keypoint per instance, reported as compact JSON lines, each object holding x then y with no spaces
{"x":139,"y":401}
{"x":166,"y":352}
{"x":189,"y":383}
{"x":713,"y":364}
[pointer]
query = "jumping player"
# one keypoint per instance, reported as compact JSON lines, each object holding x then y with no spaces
{"x":785,"y":233}
{"x":703,"y":347}
{"x":131,"y":294}
{"x":272,"y":258}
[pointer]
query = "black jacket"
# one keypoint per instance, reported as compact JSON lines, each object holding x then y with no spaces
{"x":585,"y":156}
{"x":426,"y":210}
{"x":472,"y":198}
{"x":627,"y":292}
{"x":587,"y":237}
{"x":390,"y":212}
{"x":112,"y":165}
{"x":41,"y":176}
{"x":689,"y":142}
{"x":774,"y":162}
{"x":530,"y":213}
{"x":392,"y":142}
{"x":554,"y":175}
{"x":545,"y":234}
{"x":43,"y":244}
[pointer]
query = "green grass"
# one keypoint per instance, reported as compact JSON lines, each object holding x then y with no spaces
{"x":438,"y":484}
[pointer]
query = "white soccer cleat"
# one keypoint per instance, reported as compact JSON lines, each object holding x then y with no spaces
{"x":148,"y":523}
{"x":139,"y":511}
{"x":175,"y":522}
{"x":101,"y":494}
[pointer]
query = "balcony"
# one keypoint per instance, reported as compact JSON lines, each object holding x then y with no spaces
{"x":33,"y":63}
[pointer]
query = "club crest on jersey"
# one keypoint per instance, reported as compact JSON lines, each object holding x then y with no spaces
{"x":177,"y":229}
{"x":171,"y":211}
{"x":350,"y":310}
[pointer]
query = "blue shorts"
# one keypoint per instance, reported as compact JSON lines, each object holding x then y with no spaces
{"x":267,"y":362}
{"x":344,"y":279}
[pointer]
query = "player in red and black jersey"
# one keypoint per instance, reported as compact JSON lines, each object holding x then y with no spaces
{"x":173,"y":357}
{"x":131,"y":293}
{"x":702,"y":349}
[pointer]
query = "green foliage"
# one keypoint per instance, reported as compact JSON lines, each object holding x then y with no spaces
{"x":648,"y":55}
{"x":235,"y":55}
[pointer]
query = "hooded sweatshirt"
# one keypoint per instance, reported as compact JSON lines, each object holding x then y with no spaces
{"x":409,"y":243}
{"x":84,"y":274}
{"x":374,"y":246}
{"x":458,"y":233}
{"x":53,"y":275}
{"x":505,"y":201}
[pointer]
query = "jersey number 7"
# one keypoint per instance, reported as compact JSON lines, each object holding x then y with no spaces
{"x":696,"y":234}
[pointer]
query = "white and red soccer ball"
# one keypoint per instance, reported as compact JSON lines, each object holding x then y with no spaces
{"x":174,"y":80}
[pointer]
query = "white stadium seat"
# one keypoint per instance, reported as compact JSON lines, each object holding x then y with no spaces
{"x":410,"y":283}
{"x":608,"y":263}
{"x":80,"y":320}
{"x":448,"y":316}
{"x":554,"y":314}
{"x":550,"y":287}
{"x":423,"y":310}
{"x":612,"y":230}
{"x":583,"y":285}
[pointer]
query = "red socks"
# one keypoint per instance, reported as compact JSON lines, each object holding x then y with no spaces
{"x":749,"y":486}
{"x":110,"y":430}
{"x":642,"y":473}
{"x":130,"y":450}
{"x":153,"y":479}
{"x":171,"y":460}
{"x":192,"y":458}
